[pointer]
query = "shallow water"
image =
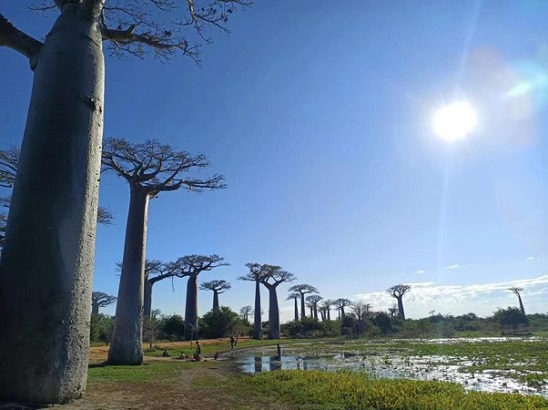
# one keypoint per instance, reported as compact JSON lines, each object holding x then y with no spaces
{"x":384,"y":364}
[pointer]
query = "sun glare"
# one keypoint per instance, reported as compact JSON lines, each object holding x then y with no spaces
{"x":455,"y":121}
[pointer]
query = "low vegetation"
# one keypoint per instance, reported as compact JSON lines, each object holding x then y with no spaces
{"x":348,"y":390}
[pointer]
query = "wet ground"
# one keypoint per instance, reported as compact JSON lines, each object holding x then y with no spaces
{"x":378,"y":361}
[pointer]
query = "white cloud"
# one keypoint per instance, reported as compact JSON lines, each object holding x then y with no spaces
{"x":454,"y":266}
{"x":420,"y":272}
{"x":483,"y":299}
{"x":530,"y":258}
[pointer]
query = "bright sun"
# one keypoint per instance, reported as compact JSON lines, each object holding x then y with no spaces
{"x":455,"y":121}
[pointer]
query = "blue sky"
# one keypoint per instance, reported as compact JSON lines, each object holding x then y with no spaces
{"x":319,"y":114}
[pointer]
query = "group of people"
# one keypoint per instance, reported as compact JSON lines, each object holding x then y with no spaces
{"x":197,"y":356}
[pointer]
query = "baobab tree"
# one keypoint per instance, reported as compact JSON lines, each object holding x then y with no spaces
{"x":314,"y":300}
{"x":217,"y":287}
{"x":149,"y":168}
{"x":271,"y":277}
{"x":295,"y":296}
{"x":326,"y":306}
{"x":323,"y":312}
{"x":53,"y":213}
{"x":99,"y":300}
{"x":340,"y":304}
{"x":191,"y":266}
{"x":254,"y":275}
{"x":303,"y":290}
{"x":361,"y":309}
{"x":517,"y":291}
{"x":398,"y":291}
{"x":245,"y":312}
{"x":155,"y":271}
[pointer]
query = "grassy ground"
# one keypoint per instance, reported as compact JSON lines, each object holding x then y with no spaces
{"x":167,"y":383}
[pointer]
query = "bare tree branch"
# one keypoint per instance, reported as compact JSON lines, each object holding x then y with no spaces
{"x":156,"y":167}
{"x":12,"y":37}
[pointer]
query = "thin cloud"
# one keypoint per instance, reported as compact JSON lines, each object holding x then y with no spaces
{"x":481,"y":298}
{"x":530,"y":258}
{"x":454,"y":266}
{"x":420,"y":272}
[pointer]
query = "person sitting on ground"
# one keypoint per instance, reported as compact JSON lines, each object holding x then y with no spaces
{"x":165,"y":353}
{"x":216,"y":356}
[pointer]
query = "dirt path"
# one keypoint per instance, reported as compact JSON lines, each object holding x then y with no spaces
{"x":189,"y":391}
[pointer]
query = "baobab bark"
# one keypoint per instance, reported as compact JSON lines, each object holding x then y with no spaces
{"x":303,"y":311}
{"x":215,"y":300}
{"x":257,"y":323}
{"x":47,"y":259}
{"x":401,"y":313}
{"x":296,"y":310}
{"x":147,"y":302}
{"x":95,"y":309}
{"x":191,"y":310}
{"x":125,"y":347}
{"x":273,"y":312}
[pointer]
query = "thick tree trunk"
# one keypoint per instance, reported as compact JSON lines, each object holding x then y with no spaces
{"x":125,"y":347}
{"x":215,"y":301}
{"x":316,"y":312}
{"x":400,"y":308}
{"x":303,"y":312}
{"x":296,"y":310}
{"x":147,"y":302}
{"x":191,"y":310}
{"x":94,"y":308}
{"x":273,"y":314}
{"x":47,"y":260}
{"x":521,"y":305}
{"x":329,"y":314}
{"x":257,"y":323}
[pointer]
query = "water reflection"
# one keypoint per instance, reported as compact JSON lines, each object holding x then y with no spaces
{"x":258,"y":364}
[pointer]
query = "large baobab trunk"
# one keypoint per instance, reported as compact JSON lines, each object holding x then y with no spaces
{"x":257,"y":323}
{"x":95,"y":309}
{"x":128,"y":325}
{"x":191,"y":310}
{"x":273,"y":314}
{"x":303,"y":312}
{"x":296,"y":310}
{"x":401,"y":313}
{"x":47,"y":259}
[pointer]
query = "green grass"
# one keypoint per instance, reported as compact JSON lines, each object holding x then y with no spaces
{"x":211,"y":348}
{"x":347,"y":390}
{"x":157,"y":372}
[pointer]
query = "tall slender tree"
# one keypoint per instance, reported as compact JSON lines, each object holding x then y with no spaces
{"x":303,"y":290}
{"x":397,"y":292}
{"x":314,"y":300}
{"x":99,"y":300}
{"x":149,"y":168}
{"x":47,"y":298}
{"x":517,"y":291}
{"x":217,"y":287}
{"x":155,"y":271}
{"x":271,"y":277}
{"x":191,"y":266}
{"x":341,"y":304}
{"x":295,"y":296}
{"x":254,"y":275}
